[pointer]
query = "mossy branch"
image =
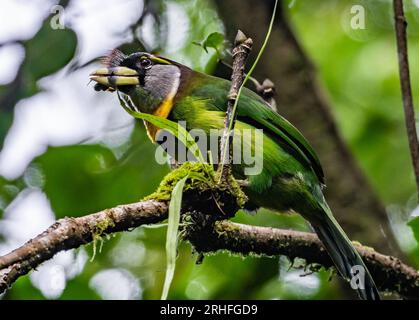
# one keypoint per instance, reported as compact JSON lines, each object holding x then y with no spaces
{"x":206,"y":206}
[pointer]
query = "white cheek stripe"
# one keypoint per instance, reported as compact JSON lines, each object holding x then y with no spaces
{"x":164,"y":109}
{"x":175,"y":87}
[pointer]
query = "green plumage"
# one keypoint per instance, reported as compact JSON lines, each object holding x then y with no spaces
{"x":291,"y":169}
{"x":292,"y":177}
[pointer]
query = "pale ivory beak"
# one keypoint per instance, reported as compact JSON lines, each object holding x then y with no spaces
{"x":117,"y":76}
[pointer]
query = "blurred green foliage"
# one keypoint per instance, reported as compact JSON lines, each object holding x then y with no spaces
{"x":414,"y":224}
{"x":96,"y":179}
{"x":358,"y":69}
{"x":46,"y":53}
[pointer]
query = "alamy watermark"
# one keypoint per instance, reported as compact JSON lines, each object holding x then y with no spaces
{"x":58,"y":19}
{"x":358,"y":17}
{"x":358,"y":277}
{"x":247,"y":148}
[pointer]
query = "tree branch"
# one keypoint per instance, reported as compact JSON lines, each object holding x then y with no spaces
{"x":69,"y":233}
{"x":409,"y":112}
{"x":389,"y":273}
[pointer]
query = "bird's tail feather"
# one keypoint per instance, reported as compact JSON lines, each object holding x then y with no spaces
{"x":344,"y":255}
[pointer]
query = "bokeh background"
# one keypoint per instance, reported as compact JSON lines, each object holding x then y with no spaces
{"x":67,"y":150}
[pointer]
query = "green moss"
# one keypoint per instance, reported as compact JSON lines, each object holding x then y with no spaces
{"x":104,"y":224}
{"x":201,"y":176}
{"x":222,"y":228}
{"x":98,"y":232}
{"x":234,"y":186}
{"x":357,"y":243}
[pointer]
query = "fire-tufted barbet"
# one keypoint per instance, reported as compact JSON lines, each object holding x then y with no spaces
{"x":291,"y":178}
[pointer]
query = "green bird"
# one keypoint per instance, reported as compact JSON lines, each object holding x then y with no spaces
{"x":291,"y":178}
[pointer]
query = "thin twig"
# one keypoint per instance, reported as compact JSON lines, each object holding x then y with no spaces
{"x":401,"y":25}
{"x":241,"y":51}
{"x":246,"y":78}
{"x":254,"y":80}
{"x":266,"y":89}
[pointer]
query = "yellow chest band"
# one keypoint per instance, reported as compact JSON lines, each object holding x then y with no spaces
{"x":163,"y":110}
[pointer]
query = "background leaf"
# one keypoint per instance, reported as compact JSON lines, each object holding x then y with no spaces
{"x":414,"y":224}
{"x":215,"y":40}
{"x":48,"y":51}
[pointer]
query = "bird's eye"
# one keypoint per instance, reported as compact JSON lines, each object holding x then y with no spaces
{"x":145,"y":63}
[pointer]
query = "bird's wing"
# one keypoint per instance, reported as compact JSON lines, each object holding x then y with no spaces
{"x":254,"y":110}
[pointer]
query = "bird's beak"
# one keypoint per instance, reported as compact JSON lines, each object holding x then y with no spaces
{"x":114,"y":77}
